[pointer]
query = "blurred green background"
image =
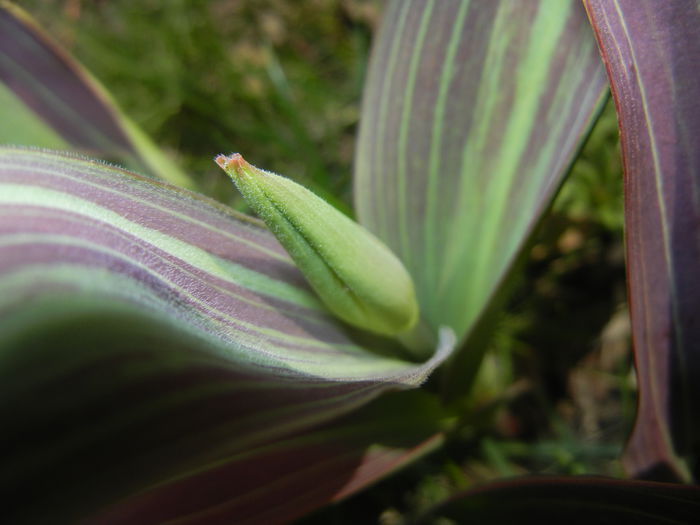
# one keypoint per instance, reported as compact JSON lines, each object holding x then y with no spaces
{"x":280,"y":81}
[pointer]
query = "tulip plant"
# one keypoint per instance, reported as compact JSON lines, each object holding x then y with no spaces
{"x":165,"y":358}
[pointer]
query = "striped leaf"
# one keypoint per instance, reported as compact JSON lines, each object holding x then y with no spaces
{"x":287,"y":479}
{"x":48,"y":100}
{"x":148,"y":333}
{"x":652,"y":51}
{"x":472,"y":114}
{"x":573,"y":500}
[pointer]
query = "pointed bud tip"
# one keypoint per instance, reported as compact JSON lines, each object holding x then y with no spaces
{"x":233,"y":162}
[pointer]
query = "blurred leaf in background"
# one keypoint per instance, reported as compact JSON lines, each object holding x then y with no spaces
{"x":279,"y":80}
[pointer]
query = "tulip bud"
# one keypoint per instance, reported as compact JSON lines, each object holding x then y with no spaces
{"x":357,"y":277}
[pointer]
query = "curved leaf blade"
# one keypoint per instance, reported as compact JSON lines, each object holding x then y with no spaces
{"x":651,"y":50}
{"x":472,"y":114}
{"x":287,"y":479}
{"x":152,"y":331}
{"x":574,"y":500}
{"x":50,"y":87}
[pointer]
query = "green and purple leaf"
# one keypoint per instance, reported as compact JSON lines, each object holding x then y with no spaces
{"x":574,"y":500}
{"x":149,"y":333}
{"x":473,"y":112}
{"x":48,"y":100}
{"x":652,"y":50}
{"x":288,"y":478}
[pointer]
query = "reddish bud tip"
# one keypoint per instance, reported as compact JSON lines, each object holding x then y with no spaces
{"x":234,"y":161}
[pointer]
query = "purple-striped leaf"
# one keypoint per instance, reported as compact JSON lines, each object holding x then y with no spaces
{"x":574,"y":501}
{"x":288,"y":478}
{"x":652,"y":51}
{"x":473,"y":112}
{"x":48,"y":100}
{"x":149,"y":333}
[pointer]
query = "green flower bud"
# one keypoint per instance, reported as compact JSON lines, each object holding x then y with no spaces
{"x":357,"y":277}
